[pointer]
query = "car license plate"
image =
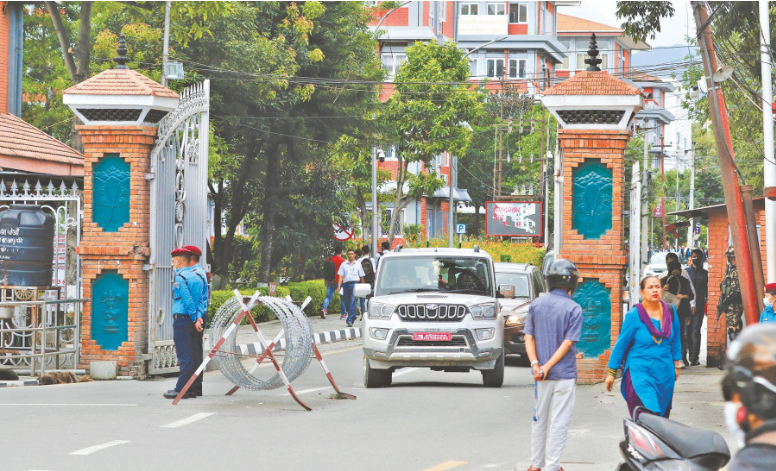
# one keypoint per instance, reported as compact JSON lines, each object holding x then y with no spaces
{"x":432,"y":336}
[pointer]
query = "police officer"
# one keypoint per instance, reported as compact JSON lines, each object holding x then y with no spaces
{"x":187,"y":319}
{"x":749,"y":389}
{"x":198,"y":270}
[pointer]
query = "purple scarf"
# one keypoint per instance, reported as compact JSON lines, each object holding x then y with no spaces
{"x":667,"y":318}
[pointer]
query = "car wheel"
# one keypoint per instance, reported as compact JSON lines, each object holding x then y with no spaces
{"x":494,"y":378}
{"x":376,"y":378}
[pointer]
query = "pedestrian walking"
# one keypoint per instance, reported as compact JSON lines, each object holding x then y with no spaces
{"x":749,"y":389}
{"x":768,"y":315}
{"x":187,"y":321}
{"x":368,"y":264}
{"x":553,"y":327}
{"x":330,"y":269}
{"x":699,"y":277}
{"x":678,"y":290}
{"x":204,"y":300}
{"x":648,"y":351}
{"x":385,"y":247}
{"x":348,"y":275}
{"x":730,"y":303}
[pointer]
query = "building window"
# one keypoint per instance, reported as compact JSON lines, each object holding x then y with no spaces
{"x":392,"y":62}
{"x":386,"y":222}
{"x":442,"y":12}
{"x":518,"y":13}
{"x":517,"y":68}
{"x":470,"y":9}
{"x":473,"y":67}
{"x":604,"y":65}
{"x":391,"y":153}
{"x":497,"y":9}
{"x":564,"y":65}
{"x":495,"y":68}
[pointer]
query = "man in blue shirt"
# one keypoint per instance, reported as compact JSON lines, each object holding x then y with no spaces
{"x":204,"y":300}
{"x":768,"y":315}
{"x":187,"y":319}
{"x":553,"y":327}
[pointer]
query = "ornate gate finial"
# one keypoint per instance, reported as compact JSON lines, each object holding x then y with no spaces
{"x":593,"y":61}
{"x":122,"y":59}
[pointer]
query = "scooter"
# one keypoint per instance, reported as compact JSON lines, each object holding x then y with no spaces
{"x":653,"y":443}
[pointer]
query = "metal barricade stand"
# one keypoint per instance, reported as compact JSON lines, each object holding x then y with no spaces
{"x":300,"y":346}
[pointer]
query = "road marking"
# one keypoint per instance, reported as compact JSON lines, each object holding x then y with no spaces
{"x":404,"y":371}
{"x":65,"y":405}
{"x":446,"y":465}
{"x":305,"y":391}
{"x":96,"y":448}
{"x":188,"y":420}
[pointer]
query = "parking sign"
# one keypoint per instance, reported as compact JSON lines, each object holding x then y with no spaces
{"x":460,"y":228}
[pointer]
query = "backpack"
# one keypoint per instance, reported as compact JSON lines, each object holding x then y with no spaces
{"x":369,"y":271}
{"x":329,"y":269}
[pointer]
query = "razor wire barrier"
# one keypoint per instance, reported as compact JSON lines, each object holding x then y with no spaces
{"x":300,"y":346}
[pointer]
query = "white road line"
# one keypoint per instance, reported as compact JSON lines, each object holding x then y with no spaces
{"x":305,"y":391}
{"x":70,"y":405}
{"x":186,"y":421}
{"x":95,"y":448}
{"x":404,"y":371}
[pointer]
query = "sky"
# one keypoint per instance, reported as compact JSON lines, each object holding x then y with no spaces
{"x":673,"y":30}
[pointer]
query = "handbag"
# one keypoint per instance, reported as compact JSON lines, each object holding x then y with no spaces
{"x":670,"y":297}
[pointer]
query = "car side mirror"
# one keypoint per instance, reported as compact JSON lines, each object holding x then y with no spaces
{"x":507,"y":291}
{"x":362,"y":290}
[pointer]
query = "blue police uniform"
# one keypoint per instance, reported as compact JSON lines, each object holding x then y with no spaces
{"x":186,"y":294}
{"x":199,"y":353}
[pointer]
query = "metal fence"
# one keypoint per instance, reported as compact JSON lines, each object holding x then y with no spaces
{"x":39,"y":335}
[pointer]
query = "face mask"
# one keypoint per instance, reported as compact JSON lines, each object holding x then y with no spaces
{"x":767,"y":301}
{"x":731,"y":413}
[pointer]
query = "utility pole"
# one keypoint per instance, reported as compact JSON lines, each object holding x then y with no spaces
{"x":769,"y":167}
{"x":691,"y":204}
{"x":662,"y":147}
{"x":645,"y":216}
{"x":730,"y":184}
{"x":166,"y":52}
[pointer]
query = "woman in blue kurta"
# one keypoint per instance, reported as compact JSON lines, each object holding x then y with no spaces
{"x":649,"y":350}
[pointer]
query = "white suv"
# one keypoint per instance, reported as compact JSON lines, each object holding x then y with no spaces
{"x":433,"y":308}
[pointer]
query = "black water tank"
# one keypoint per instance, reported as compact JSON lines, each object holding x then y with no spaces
{"x":26,"y":246}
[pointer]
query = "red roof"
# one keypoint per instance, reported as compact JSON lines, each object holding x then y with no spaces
{"x":121,"y":82}
{"x":592,"y":83}
{"x":568,"y":23}
{"x":25,"y":147}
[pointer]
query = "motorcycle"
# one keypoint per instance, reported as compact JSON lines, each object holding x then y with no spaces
{"x":653,"y":443}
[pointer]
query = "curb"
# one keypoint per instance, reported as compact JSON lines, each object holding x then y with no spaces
{"x":320,"y":338}
{"x":18,"y":383}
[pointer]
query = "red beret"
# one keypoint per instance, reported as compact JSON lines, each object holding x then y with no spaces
{"x":193,"y":250}
{"x":770,"y":288}
{"x":181,"y":251}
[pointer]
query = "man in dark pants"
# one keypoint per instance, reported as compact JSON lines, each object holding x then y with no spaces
{"x":198,"y":270}
{"x":700,"y":280}
{"x":187,"y":321}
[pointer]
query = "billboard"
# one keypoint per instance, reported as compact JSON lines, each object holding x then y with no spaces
{"x":513,"y":219}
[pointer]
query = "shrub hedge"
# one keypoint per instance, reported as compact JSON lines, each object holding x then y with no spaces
{"x":299,"y":291}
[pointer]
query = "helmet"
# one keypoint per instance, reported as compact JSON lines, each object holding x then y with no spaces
{"x":730,"y":252}
{"x":563,"y":274}
{"x":751,"y":370}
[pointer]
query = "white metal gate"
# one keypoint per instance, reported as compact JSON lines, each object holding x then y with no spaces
{"x":179,"y":164}
{"x":634,"y":246}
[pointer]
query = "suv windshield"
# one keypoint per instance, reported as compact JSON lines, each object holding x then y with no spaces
{"x":434,"y":273}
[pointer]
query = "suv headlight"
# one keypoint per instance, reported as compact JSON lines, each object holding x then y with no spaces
{"x":517,"y":319}
{"x":380,"y":310}
{"x":483,"y":311}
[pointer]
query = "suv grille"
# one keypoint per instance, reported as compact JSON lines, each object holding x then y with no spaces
{"x":432,"y":312}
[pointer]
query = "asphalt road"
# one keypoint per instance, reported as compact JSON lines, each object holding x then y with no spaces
{"x":426,"y":421}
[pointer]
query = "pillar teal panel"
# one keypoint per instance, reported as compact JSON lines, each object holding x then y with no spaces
{"x":110,"y":208}
{"x":596,"y":304}
{"x":591,"y":213}
{"x":110,"y":308}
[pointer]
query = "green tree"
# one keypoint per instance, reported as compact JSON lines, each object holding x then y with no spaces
{"x":427,"y":115}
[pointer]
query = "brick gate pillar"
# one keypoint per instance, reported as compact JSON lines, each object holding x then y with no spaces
{"x":120,"y":109}
{"x":594,"y":111}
